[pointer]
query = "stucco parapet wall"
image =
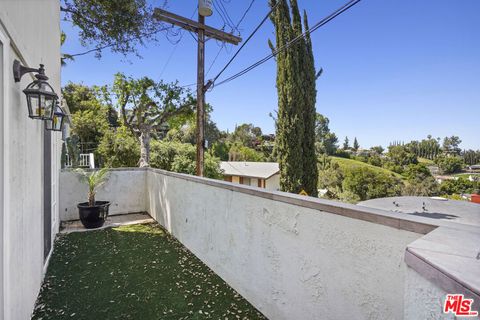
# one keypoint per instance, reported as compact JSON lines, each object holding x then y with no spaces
{"x":110,"y":169}
{"x":443,"y":268}
{"x":400,"y":221}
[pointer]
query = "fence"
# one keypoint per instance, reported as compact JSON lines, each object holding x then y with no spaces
{"x":86,"y":160}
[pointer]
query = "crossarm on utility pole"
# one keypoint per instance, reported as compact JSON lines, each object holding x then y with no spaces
{"x":194,"y":26}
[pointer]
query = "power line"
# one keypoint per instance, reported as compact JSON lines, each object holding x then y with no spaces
{"x":245,"y":14}
{"x":322,"y":22}
{"x":243,"y":45}
{"x":175,"y":48}
{"x":237,"y":27}
{"x":215,"y":59}
{"x":221,"y":8}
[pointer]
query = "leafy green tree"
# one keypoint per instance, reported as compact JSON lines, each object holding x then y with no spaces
{"x":330,"y":177}
{"x":146,"y":107}
{"x":420,"y":181}
{"x":346,"y":144}
{"x":325,"y":141}
{"x":377,"y":149}
{"x":296,"y":75}
{"x":239,"y":152}
{"x":364,"y":183}
{"x":356,"y":145}
{"x":220,"y":150}
{"x":459,"y":186}
{"x":398,"y":157}
{"x":123,"y":26}
{"x":183,"y":128}
{"x":90,"y":125}
{"x":91,"y":116}
{"x":416,"y":171}
{"x":119,"y":148}
{"x":180,"y":157}
{"x":471,"y":157}
{"x":375,"y":160}
{"x":451,"y":145}
{"x":449,"y":164}
{"x":247,"y":134}
{"x":80,"y":97}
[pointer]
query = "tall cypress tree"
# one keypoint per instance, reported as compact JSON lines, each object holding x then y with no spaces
{"x":310,"y":168}
{"x":289,"y":135}
{"x":295,"y":142}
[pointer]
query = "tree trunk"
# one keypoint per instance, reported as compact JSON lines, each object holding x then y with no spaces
{"x":144,"y":149}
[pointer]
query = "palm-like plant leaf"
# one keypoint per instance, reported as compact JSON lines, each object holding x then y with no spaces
{"x":94,"y":180}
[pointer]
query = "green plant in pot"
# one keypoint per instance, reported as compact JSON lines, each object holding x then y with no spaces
{"x":93,"y":213}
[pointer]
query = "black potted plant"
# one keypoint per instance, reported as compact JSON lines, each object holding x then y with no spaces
{"x":93,"y":213}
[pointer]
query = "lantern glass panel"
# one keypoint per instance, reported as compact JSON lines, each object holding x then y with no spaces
{"x":56,"y":123}
{"x":41,"y":100}
{"x":33,"y":105}
{"x":48,"y":106}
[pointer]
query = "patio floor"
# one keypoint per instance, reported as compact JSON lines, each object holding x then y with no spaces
{"x":133,"y":272}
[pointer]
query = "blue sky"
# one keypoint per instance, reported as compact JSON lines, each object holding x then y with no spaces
{"x":393,"y":70}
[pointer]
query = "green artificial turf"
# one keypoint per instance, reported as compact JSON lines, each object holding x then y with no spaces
{"x":133,"y":272}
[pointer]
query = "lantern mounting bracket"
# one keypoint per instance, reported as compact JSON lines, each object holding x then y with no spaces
{"x":19,"y":71}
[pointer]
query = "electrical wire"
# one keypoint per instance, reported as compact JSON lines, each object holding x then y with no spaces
{"x":322,"y":22}
{"x":175,"y":48}
{"x":224,"y":14}
{"x":223,"y":44}
{"x":244,"y":43}
{"x":244,"y":15}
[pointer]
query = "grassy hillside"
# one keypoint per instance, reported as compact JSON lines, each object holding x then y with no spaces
{"x":426,"y":161}
{"x":348,"y":164}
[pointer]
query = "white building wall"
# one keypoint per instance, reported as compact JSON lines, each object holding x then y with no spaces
{"x":273,"y":183}
{"x":289,"y":261}
{"x":423,"y":299}
{"x":31,"y":31}
{"x":125,"y":189}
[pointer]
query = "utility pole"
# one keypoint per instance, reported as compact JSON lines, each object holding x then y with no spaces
{"x":203,"y":31}
{"x":200,"y":98}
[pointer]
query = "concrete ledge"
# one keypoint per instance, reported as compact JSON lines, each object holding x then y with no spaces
{"x":449,"y":258}
{"x":395,"y":220}
{"x":440,"y":278}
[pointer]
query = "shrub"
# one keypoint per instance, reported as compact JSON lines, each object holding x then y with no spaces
{"x":118,"y":148}
{"x":458,"y":186}
{"x":180,"y":157}
{"x":342,"y":153}
{"x":366,"y":184}
{"x":449,"y":164}
{"x":375,"y":160}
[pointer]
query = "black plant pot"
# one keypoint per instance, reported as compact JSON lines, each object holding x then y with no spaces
{"x":95,"y":216}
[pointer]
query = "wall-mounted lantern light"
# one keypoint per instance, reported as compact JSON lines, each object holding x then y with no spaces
{"x":41,"y":98}
{"x":58,"y":120}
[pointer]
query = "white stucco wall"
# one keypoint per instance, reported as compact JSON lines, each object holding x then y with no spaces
{"x":423,"y":299}
{"x":125,"y":189}
{"x":31,"y":32}
{"x":291,"y":262}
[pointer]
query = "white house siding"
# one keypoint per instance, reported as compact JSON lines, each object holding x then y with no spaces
{"x":273,"y":183}
{"x":29,"y":32}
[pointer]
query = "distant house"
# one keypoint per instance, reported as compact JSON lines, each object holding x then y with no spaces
{"x":258,"y":174}
{"x":475,"y":167}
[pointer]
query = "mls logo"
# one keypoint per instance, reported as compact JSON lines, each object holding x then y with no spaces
{"x":459,"y":306}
